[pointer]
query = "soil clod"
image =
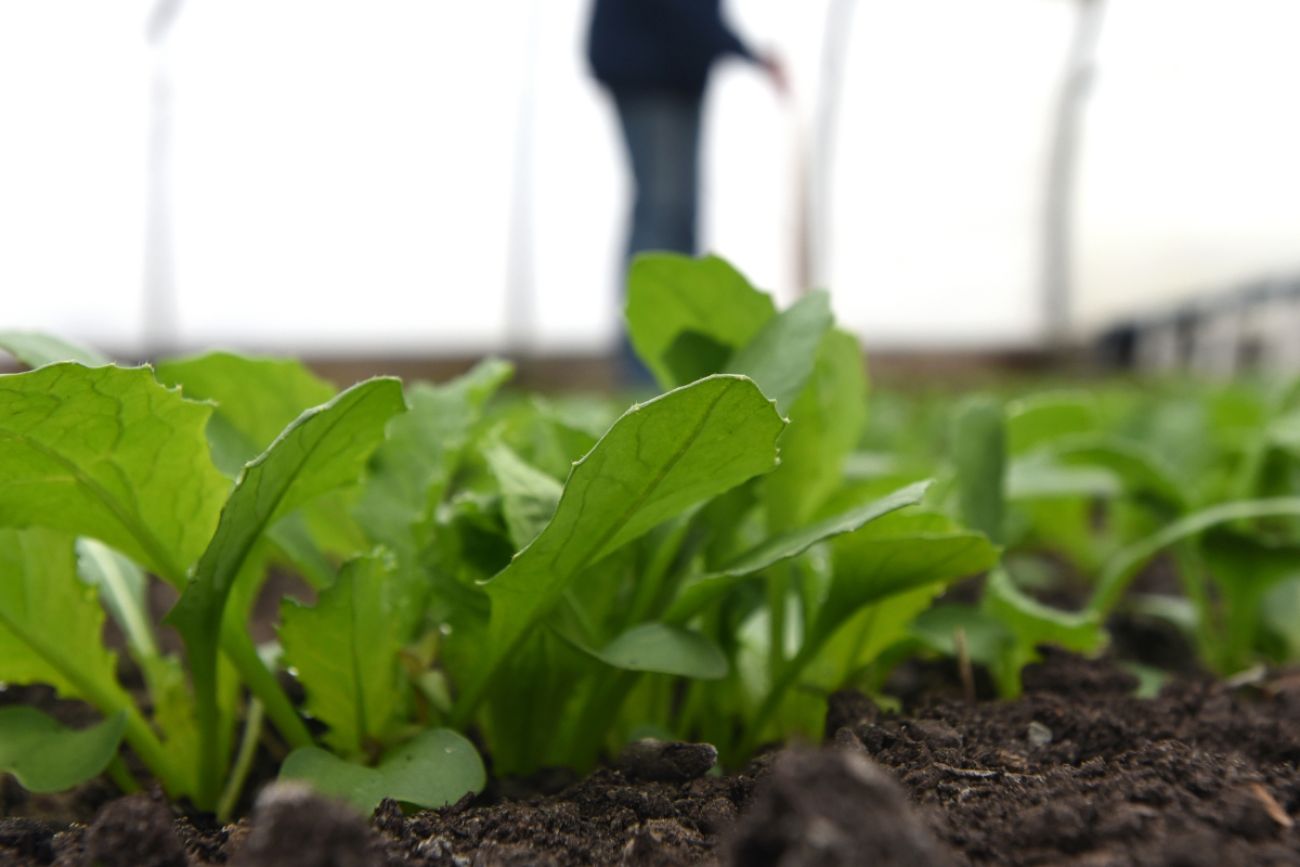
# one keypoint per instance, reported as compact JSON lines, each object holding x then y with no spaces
{"x":666,"y":761}
{"x":830,"y":808}
{"x":293,"y":827}
{"x":26,"y":839}
{"x":135,"y":831}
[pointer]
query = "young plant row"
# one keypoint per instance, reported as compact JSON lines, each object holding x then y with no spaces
{"x":1189,"y":490}
{"x":547,"y":577}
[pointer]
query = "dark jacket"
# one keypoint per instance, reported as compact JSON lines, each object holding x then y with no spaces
{"x":659,"y":44}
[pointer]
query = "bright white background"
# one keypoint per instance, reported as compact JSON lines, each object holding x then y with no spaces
{"x":402,"y":175}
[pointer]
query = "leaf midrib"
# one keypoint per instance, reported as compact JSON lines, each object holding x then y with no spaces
{"x":141,"y":533}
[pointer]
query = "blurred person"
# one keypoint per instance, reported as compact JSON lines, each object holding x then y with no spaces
{"x":654,"y":58}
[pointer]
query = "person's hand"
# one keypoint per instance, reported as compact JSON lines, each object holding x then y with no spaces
{"x":775,"y":69}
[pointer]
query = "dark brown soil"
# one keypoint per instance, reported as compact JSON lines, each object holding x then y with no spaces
{"x":1076,"y":772}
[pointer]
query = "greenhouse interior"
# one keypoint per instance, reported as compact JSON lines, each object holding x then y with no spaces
{"x":649,"y":432}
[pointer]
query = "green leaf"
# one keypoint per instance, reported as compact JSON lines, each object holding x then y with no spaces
{"x":408,"y":475}
{"x":345,"y":650}
{"x":296,"y":544}
{"x":781,"y":356}
{"x":895,"y":554}
{"x":51,"y":623}
{"x":693,"y":356}
{"x":1245,"y":567}
{"x":867,"y":634}
{"x":175,"y":715}
{"x":50,"y":628}
{"x":1125,"y":565}
{"x":826,"y":424}
{"x":1281,"y":616}
{"x":1042,"y":418}
{"x":324,"y":449}
{"x":1035,"y":623}
{"x":528,"y":495}
{"x":670,"y":297}
{"x":705,"y":589}
{"x":46,"y":757}
{"x":987,"y":639}
{"x":664,"y":649}
{"x":1039,"y":478}
{"x":793,"y":542}
{"x":123,"y":586}
{"x":36,"y":349}
{"x":436,"y":768}
{"x":256,"y":398}
{"x":979,"y":448}
{"x":659,"y":459}
{"x":1239,"y":560}
{"x":1032,"y":623}
{"x":123,"y":589}
{"x":886,"y":559}
{"x":1141,"y":470}
{"x":109,"y":453}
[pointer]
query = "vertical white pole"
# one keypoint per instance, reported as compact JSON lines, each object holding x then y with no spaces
{"x":1062,"y":170}
{"x":818,"y":154}
{"x":160,"y":313}
{"x":520,"y":312}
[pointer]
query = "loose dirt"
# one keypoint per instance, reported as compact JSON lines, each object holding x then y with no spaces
{"x":1075,"y":772}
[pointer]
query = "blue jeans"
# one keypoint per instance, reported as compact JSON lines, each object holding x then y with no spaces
{"x":662,"y":134}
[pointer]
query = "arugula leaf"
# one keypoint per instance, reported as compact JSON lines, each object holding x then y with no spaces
{"x":50,"y":623}
{"x":899,"y":552}
{"x":47,"y":757}
{"x":663,"y":649}
{"x":528,"y":495}
{"x":1037,"y":477}
{"x":1244,"y":567}
{"x":434,"y":769}
{"x":1142,"y":471}
{"x":255,"y":398}
{"x":979,"y":447}
{"x":50,"y":627}
{"x":887,"y":558}
{"x":409,"y":473}
{"x":656,"y":461}
{"x":781,"y":356}
{"x":36,"y":349}
{"x":1125,"y":565}
{"x":123,"y":587}
{"x":1281,"y":616}
{"x":325,"y":448}
{"x":1032,"y":623}
{"x":322,"y":450}
{"x":826,"y":423}
{"x":701,"y":591}
{"x":109,"y":453}
{"x":345,"y":650}
{"x":1039,"y":419}
{"x":686,"y":315}
{"x":987,"y":639}
{"x":866,"y":635}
